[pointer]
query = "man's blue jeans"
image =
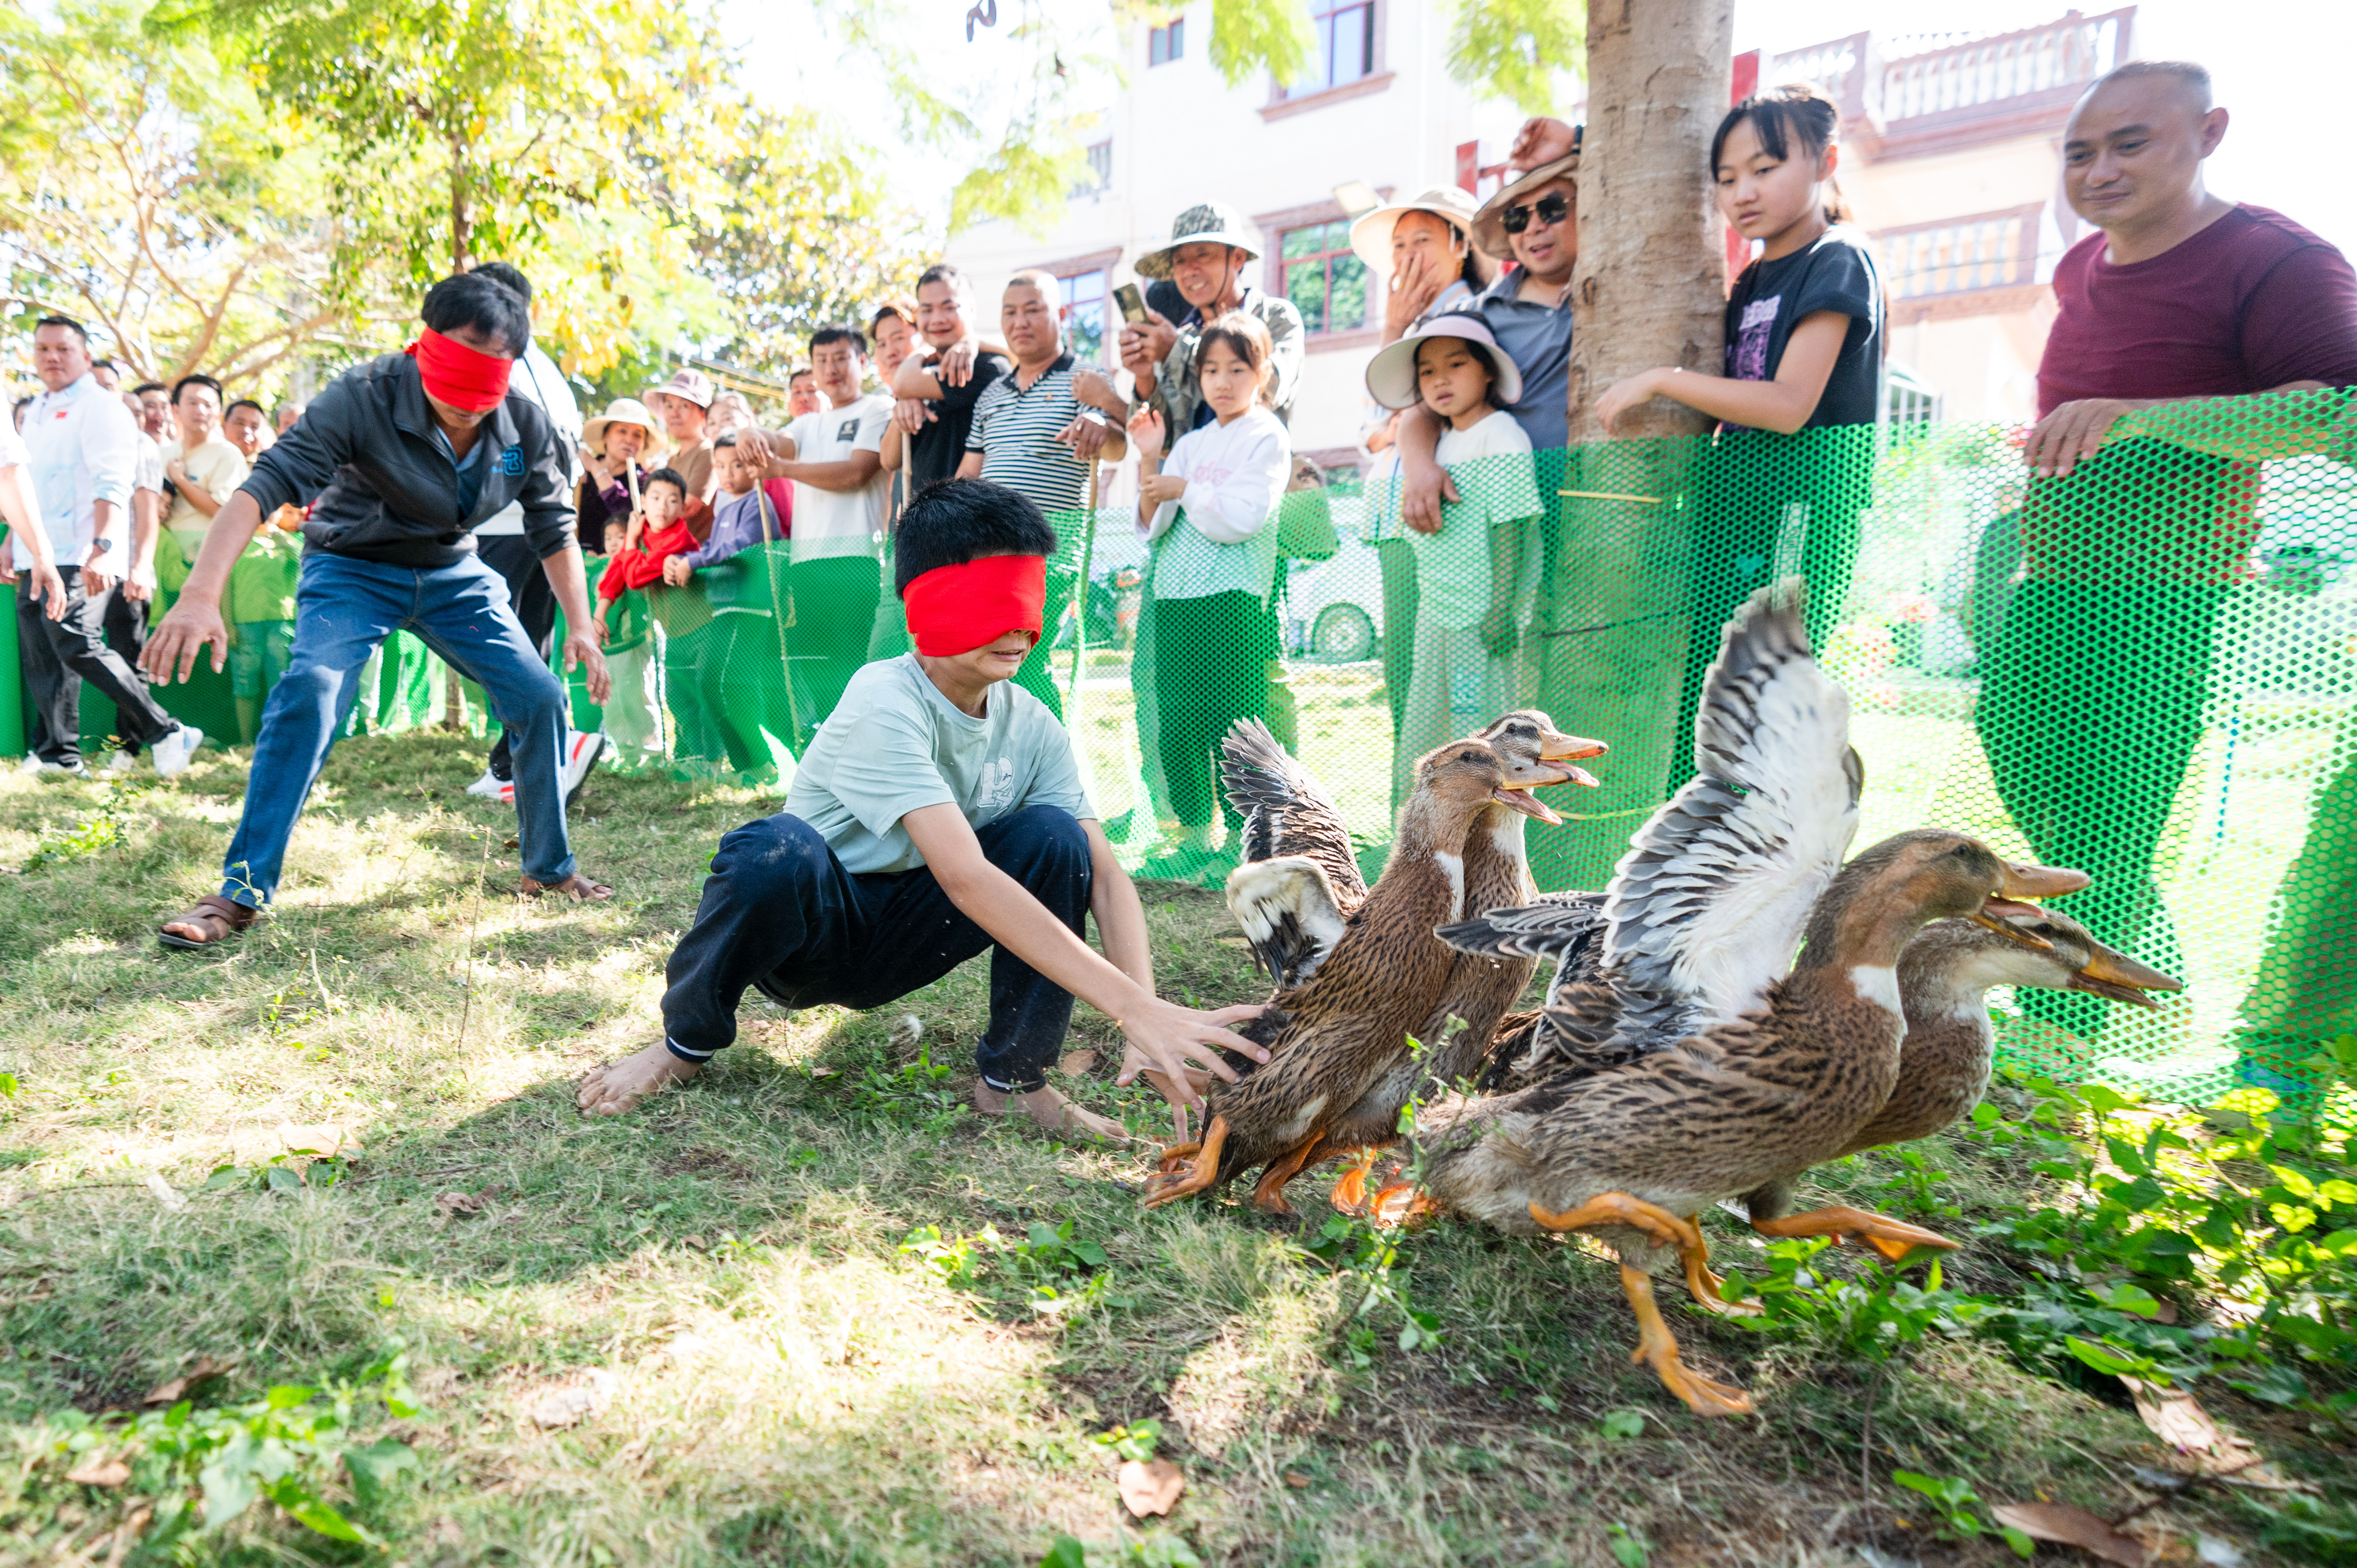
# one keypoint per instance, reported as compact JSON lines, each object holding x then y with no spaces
{"x":780,"y":912}
{"x":344,"y":608}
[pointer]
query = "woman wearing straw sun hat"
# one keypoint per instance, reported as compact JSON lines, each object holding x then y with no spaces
{"x":1424,"y":247}
{"x":616,"y":447}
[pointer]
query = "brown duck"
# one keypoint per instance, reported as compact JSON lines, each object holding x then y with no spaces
{"x":1456,"y":1036}
{"x":1331,"y":1036}
{"x":1697,"y":1069}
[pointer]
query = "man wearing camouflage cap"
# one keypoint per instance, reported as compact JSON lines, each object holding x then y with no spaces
{"x":1210,"y":248}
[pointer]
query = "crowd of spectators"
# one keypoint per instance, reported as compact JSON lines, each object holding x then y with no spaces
{"x":2175,"y":293}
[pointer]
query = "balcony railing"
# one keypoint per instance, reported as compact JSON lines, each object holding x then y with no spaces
{"x":1987,"y":250}
{"x":2073,"y":50}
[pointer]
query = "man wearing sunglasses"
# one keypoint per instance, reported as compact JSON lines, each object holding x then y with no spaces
{"x":1533,"y":221}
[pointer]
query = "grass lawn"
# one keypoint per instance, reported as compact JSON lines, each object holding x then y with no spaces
{"x":773,"y":1377}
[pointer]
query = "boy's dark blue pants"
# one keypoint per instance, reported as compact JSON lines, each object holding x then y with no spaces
{"x":780,"y":912}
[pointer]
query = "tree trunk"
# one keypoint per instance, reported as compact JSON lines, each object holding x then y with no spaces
{"x":1649,"y":289}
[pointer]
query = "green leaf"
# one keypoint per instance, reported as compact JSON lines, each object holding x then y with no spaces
{"x":1985,"y":1115}
{"x":7,"y":1086}
{"x":2267,"y":1380}
{"x":1065,"y":1553}
{"x":308,"y":1510}
{"x":2105,"y":1358}
{"x":1513,"y":48}
{"x":1251,"y":36}
{"x":225,"y":1176}
{"x":2124,"y":1295}
{"x":1621,"y":1423}
{"x":374,"y":1466}
{"x":227,"y":1484}
{"x":281,"y":1179}
{"x":2102,"y":1099}
{"x":2341,"y":1241}
{"x":2022,"y":1545}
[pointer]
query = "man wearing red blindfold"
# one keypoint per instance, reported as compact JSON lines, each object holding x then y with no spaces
{"x":939,"y":812}
{"x":399,"y":459}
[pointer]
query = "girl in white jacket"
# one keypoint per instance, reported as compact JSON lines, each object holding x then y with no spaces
{"x":1210,"y":510}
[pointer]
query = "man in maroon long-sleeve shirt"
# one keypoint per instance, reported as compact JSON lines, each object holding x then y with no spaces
{"x":2094,"y":697}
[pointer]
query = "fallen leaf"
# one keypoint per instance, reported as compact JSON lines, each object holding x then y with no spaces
{"x":511,"y":844}
{"x":822,"y":1072}
{"x":563,"y":1407}
{"x":1076,"y":1063}
{"x":325,"y":1138}
{"x":695,"y":1241}
{"x":99,"y":1471}
{"x":456,"y":1203}
{"x":204,"y":1369}
{"x":2177,"y":1418}
{"x":2071,"y":1526}
{"x":1297,"y":1480}
{"x":2212,"y":1551}
{"x":162,"y":1192}
{"x":1150,"y":1486}
{"x":1232,"y":942}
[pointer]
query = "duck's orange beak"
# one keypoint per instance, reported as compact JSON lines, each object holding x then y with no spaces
{"x":1518,"y":797}
{"x":1560,"y":748}
{"x":2121,"y":978}
{"x":2022,"y":880}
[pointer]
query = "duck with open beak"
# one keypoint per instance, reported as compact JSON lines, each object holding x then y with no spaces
{"x":2010,"y":903}
{"x":1528,"y":764}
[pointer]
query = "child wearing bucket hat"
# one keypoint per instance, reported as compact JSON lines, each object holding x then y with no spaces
{"x":1476,"y":577}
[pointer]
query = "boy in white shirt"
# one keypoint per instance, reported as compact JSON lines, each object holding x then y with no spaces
{"x":1478,"y":575}
{"x":939,"y":813}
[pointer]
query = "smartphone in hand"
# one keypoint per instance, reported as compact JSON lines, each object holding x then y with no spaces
{"x":1132,"y":303}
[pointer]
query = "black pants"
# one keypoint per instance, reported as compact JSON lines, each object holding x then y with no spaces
{"x":59,"y":655}
{"x":534,"y":603}
{"x":780,"y":912}
{"x":1210,"y":668}
{"x":2090,"y":707}
{"x":124,"y":622}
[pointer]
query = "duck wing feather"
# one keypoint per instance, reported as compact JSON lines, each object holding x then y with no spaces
{"x":1289,"y":913}
{"x":1286,"y":812}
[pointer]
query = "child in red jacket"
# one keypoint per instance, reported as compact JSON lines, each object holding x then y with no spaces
{"x":658,"y":529}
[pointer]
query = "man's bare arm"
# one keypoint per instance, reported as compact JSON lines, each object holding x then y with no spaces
{"x":1171,"y":1038}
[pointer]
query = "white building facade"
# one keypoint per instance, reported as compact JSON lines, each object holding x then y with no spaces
{"x":1380,"y":108}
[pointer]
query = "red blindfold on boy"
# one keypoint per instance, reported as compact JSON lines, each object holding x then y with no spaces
{"x":956,"y":609}
{"x":462,"y":377}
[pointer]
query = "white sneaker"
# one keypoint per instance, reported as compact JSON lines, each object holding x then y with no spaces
{"x":492,"y":787}
{"x":172,"y":753}
{"x":582,"y":750}
{"x":123,"y":762}
{"x":33,"y":764}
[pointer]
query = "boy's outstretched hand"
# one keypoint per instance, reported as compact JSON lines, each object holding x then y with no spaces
{"x":1177,"y":1050}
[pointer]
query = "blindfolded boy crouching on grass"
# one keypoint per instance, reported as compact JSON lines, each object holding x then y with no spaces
{"x":938,"y":813}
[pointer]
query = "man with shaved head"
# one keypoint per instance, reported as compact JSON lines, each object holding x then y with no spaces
{"x":2092,"y":698}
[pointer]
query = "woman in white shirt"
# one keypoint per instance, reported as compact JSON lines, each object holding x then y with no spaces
{"x":1213,"y":521}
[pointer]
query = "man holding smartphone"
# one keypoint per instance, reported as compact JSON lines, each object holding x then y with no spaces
{"x":1209,"y":249}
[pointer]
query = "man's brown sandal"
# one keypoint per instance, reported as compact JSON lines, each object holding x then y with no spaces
{"x":579,"y":887}
{"x":219,"y":918}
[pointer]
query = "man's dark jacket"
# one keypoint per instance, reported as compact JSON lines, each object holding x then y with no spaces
{"x":386,"y":487}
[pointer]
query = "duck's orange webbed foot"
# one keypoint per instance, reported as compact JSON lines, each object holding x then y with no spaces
{"x":1620,"y":1209}
{"x":1658,"y":1349}
{"x":1893,"y":1238}
{"x":1350,"y":1193}
{"x":1268,"y":1194}
{"x":1401,"y":1204}
{"x":1176,"y":1156}
{"x":1170,"y":1187}
{"x":1709,"y":1287}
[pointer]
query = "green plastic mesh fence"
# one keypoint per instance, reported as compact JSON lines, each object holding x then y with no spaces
{"x":2146,"y":670}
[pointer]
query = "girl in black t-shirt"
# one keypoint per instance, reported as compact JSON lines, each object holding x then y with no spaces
{"x":1793,"y":467}
{"x":1804,"y":320}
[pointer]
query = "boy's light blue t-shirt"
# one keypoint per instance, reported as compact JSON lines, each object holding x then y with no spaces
{"x":1495,"y":473}
{"x":895,"y":745}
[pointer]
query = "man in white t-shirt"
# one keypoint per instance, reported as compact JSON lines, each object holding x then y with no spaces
{"x":205,"y":469}
{"x":939,"y":814}
{"x":500,"y":540}
{"x":82,"y":448}
{"x":833,"y":458}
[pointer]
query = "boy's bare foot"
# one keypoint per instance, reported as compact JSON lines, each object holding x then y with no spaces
{"x":620,"y":1086}
{"x":1052,"y":1113}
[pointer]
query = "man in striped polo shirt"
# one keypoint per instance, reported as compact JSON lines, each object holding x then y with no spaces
{"x":1029,"y":434}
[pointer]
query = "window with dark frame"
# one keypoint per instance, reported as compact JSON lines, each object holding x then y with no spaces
{"x":1323,"y":278}
{"x":1165,"y":44}
{"x":1098,"y":176}
{"x":1342,"y":46}
{"x":1084,"y":301}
